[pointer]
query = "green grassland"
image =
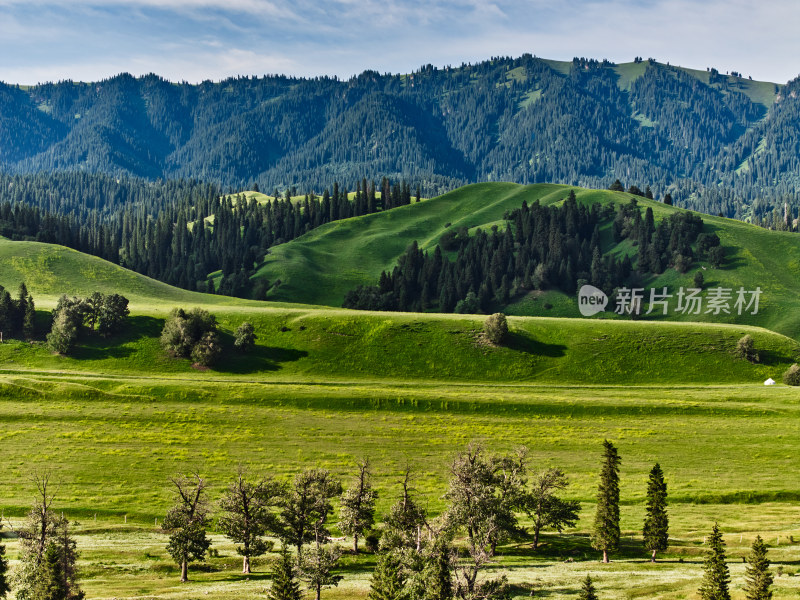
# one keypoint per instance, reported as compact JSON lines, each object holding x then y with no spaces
{"x":327,"y":386}
{"x":321,"y":266}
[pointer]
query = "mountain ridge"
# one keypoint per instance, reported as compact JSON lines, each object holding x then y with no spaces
{"x":525,"y":120}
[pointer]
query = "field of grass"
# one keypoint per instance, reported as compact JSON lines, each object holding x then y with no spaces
{"x":729,"y":453}
{"x":325,"y":387}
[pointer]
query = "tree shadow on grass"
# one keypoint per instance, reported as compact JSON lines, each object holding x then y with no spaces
{"x":523,"y":343}
{"x":260,"y":358}
{"x":92,"y":346}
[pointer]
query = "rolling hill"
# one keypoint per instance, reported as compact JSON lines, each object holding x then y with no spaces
{"x":301,"y":342}
{"x":321,"y":266}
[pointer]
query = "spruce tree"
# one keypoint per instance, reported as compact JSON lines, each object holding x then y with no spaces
{"x":388,"y":581}
{"x":587,"y":590}
{"x":605,"y":536}
{"x":284,"y":584}
{"x":757,"y":575}
{"x":439,"y":576}
{"x":656,"y":521}
{"x":716,"y":576}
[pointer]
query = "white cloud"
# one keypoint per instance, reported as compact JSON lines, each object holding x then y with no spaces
{"x":200,"y":39}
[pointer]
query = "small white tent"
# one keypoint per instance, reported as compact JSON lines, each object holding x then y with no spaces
{"x":769,"y":381}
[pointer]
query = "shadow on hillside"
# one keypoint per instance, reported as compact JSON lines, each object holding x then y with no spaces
{"x":523,"y":343}
{"x":771,"y":359}
{"x":93,"y":346}
{"x":260,"y":358}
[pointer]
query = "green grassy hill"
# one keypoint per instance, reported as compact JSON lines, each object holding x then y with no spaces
{"x":50,"y":271}
{"x":320,"y":267}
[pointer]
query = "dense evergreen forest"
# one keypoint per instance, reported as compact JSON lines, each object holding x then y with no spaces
{"x":541,"y":248}
{"x":178,"y":231}
{"x":718,"y":143}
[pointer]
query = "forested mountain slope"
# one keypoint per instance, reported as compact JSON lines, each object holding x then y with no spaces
{"x":715,"y":141}
{"x":323,"y":265}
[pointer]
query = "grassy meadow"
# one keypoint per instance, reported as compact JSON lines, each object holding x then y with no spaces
{"x":326,"y":386}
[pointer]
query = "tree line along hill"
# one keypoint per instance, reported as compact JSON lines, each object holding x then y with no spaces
{"x":720,"y":143}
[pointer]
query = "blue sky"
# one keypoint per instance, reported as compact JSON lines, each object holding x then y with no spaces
{"x":192,"y":40}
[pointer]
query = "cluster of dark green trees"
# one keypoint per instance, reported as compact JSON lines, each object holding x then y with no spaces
{"x":104,"y":313}
{"x":178,"y":232}
{"x":193,"y":334}
{"x":17,"y":316}
{"x":542,"y":247}
{"x":516,"y":119}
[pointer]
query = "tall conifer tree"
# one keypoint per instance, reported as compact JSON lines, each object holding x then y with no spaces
{"x":656,"y":521}
{"x":716,"y":576}
{"x":605,"y":536}
{"x":758,"y":578}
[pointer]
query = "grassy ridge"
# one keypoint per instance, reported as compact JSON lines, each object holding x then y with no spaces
{"x":321,"y":266}
{"x":301,"y":344}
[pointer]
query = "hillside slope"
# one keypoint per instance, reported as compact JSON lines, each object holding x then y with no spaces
{"x":524,"y":119}
{"x":320,"y":267}
{"x":50,"y":271}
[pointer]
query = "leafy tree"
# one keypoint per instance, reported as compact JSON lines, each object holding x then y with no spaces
{"x":495,"y":328}
{"x":358,"y":505}
{"x":284,"y":585}
{"x":247,"y":515}
{"x":306,"y":506}
{"x":183,"y":330}
{"x":469,"y":305}
{"x":112,"y":313}
{"x":716,"y":256}
{"x":716,"y":577}
{"x":187,"y":522}
{"x":791,"y":376}
{"x":388,"y":581}
{"x":699,"y":280}
{"x":403,"y":525}
{"x":478,"y":507}
{"x":605,"y":535}
{"x":317,"y":567}
{"x":546,"y":508}
{"x":63,"y":335}
{"x":746,"y":349}
{"x":758,"y":578}
{"x":587,"y":590}
{"x":207,"y":351}
{"x":245,"y":337}
{"x":656,"y":521}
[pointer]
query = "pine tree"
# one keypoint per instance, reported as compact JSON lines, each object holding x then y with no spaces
{"x":656,"y":522}
{"x":757,"y":575}
{"x":439,"y":582}
{"x":387,"y":579}
{"x":606,"y":521}
{"x":29,"y":319}
{"x":716,"y":576}
{"x":284,"y":584}
{"x":587,"y":590}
